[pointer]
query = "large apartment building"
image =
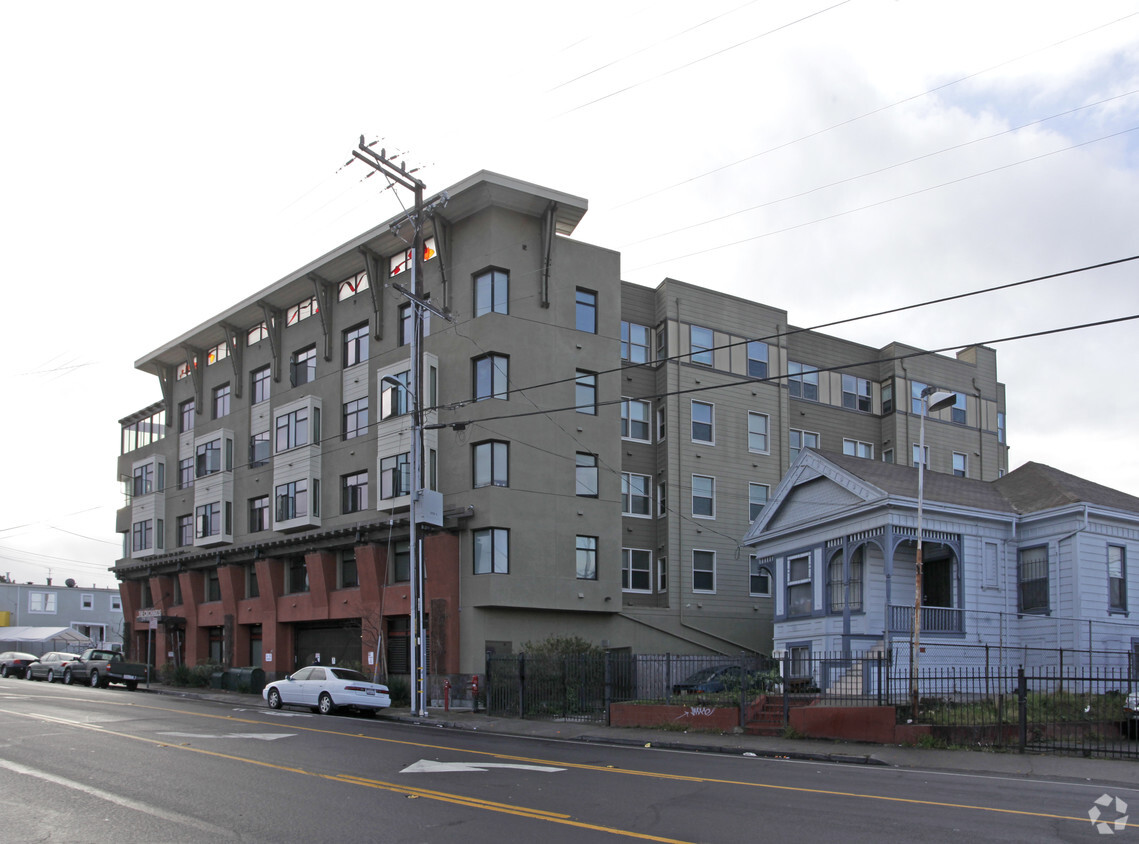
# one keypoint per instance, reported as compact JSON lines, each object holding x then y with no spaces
{"x":600,"y":449}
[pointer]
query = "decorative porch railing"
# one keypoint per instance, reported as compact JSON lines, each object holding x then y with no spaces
{"x":933,"y":619}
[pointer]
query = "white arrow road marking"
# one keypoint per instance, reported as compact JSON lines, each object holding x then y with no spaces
{"x":278,"y":713}
{"x":426,"y":766}
{"x":259,"y":736}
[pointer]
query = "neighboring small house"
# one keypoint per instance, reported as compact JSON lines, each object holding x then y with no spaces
{"x":96,"y":614}
{"x":1030,"y":565}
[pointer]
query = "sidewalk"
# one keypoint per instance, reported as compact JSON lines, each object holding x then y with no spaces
{"x":1115,"y":772}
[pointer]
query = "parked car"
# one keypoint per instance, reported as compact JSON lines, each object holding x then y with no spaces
{"x":723,"y":678}
{"x":50,"y":666}
{"x":15,"y":663}
{"x":326,"y":688}
{"x":98,"y":667}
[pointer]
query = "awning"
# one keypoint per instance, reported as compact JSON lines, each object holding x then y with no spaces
{"x":57,"y":638}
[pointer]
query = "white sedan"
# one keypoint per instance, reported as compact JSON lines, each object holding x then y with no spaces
{"x":326,"y":688}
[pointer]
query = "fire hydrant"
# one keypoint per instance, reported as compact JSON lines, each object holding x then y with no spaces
{"x":475,"y":693}
{"x":447,"y":695}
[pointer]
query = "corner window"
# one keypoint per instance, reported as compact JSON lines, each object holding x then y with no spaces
{"x":587,"y":558}
{"x":1032,"y":579}
{"x":490,"y":464}
{"x":635,"y":419}
{"x":703,"y":571}
{"x":856,"y":394}
{"x":585,"y":314}
{"x":636,"y":570}
{"x":490,"y":375}
{"x":492,"y":292}
{"x":803,"y":381}
{"x":635,"y":340}
{"x":700,"y":342}
{"x":492,"y":551}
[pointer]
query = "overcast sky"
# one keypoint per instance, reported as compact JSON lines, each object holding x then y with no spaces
{"x":160,"y":162}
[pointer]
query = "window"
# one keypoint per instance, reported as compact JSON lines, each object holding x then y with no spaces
{"x":587,"y":558}
{"x":703,"y":423}
{"x":662,"y":498}
{"x":259,"y":380}
{"x":356,"y":345}
{"x":297,"y":573}
{"x":292,"y":500}
{"x":803,"y":381}
{"x":585,"y":392}
{"x":41,"y":602}
{"x":186,"y":416}
{"x":292,"y":429}
{"x":700,"y":341}
{"x":1117,"y":578}
{"x":355,"y":418}
{"x":406,"y":324}
{"x":917,"y":457}
{"x":142,"y":432}
{"x":634,"y":342}
{"x":662,"y":422}
{"x":259,"y":514}
{"x":662,"y":574}
{"x":635,"y":495}
{"x":703,"y":496}
{"x":302,"y":367}
{"x":117,"y":603}
{"x":213,"y":586}
{"x":957,"y":413}
{"x":256,"y":334}
{"x":490,"y":376}
{"x":347,"y":576}
{"x":800,"y":440}
{"x":703,"y":571}
{"x":143,"y":483}
{"x":252,"y":590}
{"x":585,"y":317}
{"x":492,"y":292}
{"x":960,"y":464}
{"x":259,"y":449}
{"x":351,"y":286}
{"x":756,"y":499}
{"x":799,"y":586}
{"x":208,"y":456}
{"x":302,"y":310}
{"x":354,"y":492}
{"x":757,"y":432}
{"x":887,"y":397}
{"x":586,"y":474}
{"x":856,"y":394}
{"x":218,"y":352}
{"x":395,"y":475}
{"x":492,"y":551}
{"x":401,"y":261}
{"x":208,"y":518}
{"x":1032,"y":579}
{"x":759,"y":581}
{"x":662,"y":341}
{"x":87,"y":601}
{"x":1000,"y":426}
{"x":401,"y":561}
{"x":490,"y":464}
{"x":185,"y":528}
{"x":142,"y":536}
{"x":757,"y":359}
{"x":635,"y":419}
{"x":916,"y":388}
{"x":186,"y":473}
{"x":221,"y":401}
{"x":842,"y":594}
{"x":636,"y":570}
{"x":393,"y":398}
{"x":855,"y":448}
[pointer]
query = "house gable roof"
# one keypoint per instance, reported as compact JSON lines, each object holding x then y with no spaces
{"x":1035,"y":487}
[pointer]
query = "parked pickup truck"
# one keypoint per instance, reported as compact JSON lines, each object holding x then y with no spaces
{"x":98,"y":668}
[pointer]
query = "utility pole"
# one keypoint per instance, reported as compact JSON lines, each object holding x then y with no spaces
{"x":381,"y":163}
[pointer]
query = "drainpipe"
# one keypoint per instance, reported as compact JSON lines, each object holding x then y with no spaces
{"x":980,"y":432}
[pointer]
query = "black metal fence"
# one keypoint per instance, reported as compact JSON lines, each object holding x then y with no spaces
{"x":1041,"y":708}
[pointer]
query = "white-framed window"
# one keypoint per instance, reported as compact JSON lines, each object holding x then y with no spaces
{"x":857,"y":448}
{"x":888,"y":455}
{"x":916,"y":404}
{"x":116,"y":603}
{"x":960,"y":464}
{"x":958,"y":413}
{"x":703,"y":497}
{"x":701,"y":342}
{"x":635,"y":340}
{"x":917,"y":456}
{"x":635,"y":495}
{"x":756,"y":499}
{"x":586,"y":558}
{"x":759,"y":577}
{"x":87,"y":601}
{"x":1000,"y":426}
{"x":41,"y":602}
{"x":703,"y":422}
{"x":856,"y":394}
{"x":635,"y":419}
{"x":757,"y":359}
{"x":1032,"y":579}
{"x":490,"y":463}
{"x":703,"y":571}
{"x":757,"y":432}
{"x":636,"y":570}
{"x":801,"y":439}
{"x":585,"y":478}
{"x":799,"y":587}
{"x":491,"y":551}
{"x":803,"y":381}
{"x":1117,"y":578}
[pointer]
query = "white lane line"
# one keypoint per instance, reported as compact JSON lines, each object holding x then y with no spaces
{"x":259,"y":736}
{"x":428,"y":766}
{"x":118,"y":800}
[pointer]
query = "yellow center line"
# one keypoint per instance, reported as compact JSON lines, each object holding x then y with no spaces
{"x":610,"y":770}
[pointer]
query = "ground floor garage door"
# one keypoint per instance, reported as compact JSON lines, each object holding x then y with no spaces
{"x":336,"y":643}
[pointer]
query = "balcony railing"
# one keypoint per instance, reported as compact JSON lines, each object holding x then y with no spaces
{"x":933,"y":619}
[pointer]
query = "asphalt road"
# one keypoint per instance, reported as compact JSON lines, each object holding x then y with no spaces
{"x":93,"y":765}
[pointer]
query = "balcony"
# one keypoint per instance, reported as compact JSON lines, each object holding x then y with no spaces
{"x":933,"y":619}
